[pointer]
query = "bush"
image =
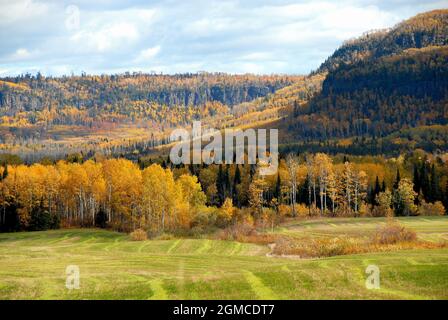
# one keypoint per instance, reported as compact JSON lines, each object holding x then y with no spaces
{"x":364,"y":210}
{"x":284,"y":210}
{"x":237,"y":231}
{"x":393,"y":233}
{"x":246,"y":232}
{"x":302,"y":210}
{"x":314,"y":248}
{"x":268,"y":219}
{"x":204,"y":219}
{"x":243,"y":216}
{"x":378,"y":211}
{"x":431,"y":209}
{"x":42,"y":220}
{"x":139,"y":235}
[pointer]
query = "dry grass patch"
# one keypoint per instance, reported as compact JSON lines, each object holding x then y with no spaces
{"x":391,"y":237}
{"x":248,"y":234}
{"x":138,"y":235}
{"x":393,"y":233}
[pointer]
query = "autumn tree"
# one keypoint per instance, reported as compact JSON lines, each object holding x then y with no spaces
{"x":405,"y":197}
{"x":292,"y":164}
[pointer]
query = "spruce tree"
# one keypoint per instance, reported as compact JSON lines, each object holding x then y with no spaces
{"x":236,"y":182}
{"x":376,"y":190}
{"x":434,"y":188}
{"x":445,"y":198}
{"x":227,"y":184}
{"x":416,"y":180}
{"x":220,"y":186}
{"x":397,"y":179}
{"x":278,"y":191}
{"x":237,"y":177}
{"x":425,"y":182}
{"x":253,"y":169}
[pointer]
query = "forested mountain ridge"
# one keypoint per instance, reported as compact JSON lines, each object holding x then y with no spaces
{"x":423,"y":30}
{"x":379,"y":96}
{"x":73,"y":100}
{"x":382,"y":83}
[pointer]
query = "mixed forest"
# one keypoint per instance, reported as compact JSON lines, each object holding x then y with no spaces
{"x":364,"y":135}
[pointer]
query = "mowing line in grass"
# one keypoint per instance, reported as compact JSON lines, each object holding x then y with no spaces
{"x":261,"y":291}
{"x":173,"y":246}
{"x":159,"y":292}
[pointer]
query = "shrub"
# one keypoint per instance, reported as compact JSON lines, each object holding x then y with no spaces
{"x":284,"y":210}
{"x":204,"y":219}
{"x":268,"y":219}
{"x":246,"y":233}
{"x":139,"y":235}
{"x":393,"y":233}
{"x":226,"y":213}
{"x":343,"y":211}
{"x":312,"y":248}
{"x":302,"y":210}
{"x":377,"y":211}
{"x":431,"y":209}
{"x":364,"y":210}
{"x":244,"y":216}
{"x":166,"y":236}
{"x":42,"y":220}
{"x":237,"y":231}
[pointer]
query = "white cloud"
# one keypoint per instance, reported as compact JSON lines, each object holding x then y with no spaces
{"x":352,"y":20}
{"x":265,"y":36}
{"x":109,"y":37}
{"x":21,"y":53}
{"x":21,"y":10}
{"x":147,"y":54}
{"x":257,"y":56}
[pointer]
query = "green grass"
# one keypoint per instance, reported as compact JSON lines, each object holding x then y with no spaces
{"x":32,"y":266}
{"x":428,"y":228}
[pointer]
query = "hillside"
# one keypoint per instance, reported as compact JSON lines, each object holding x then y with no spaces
{"x":86,"y":99}
{"x":382,"y":83}
{"x":379,"y":96}
{"x":371,"y":88}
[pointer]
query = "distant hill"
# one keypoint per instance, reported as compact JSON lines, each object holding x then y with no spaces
{"x":83,"y":99}
{"x":380,"y":95}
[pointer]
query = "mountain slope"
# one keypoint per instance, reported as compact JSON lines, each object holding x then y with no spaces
{"x":380,"y":84}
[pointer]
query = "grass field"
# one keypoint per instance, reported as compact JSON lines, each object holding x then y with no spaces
{"x":32,"y":266}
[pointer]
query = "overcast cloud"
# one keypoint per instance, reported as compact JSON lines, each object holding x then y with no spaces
{"x":174,"y":36}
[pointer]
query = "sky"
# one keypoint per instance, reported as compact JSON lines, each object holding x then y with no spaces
{"x":177,"y":36}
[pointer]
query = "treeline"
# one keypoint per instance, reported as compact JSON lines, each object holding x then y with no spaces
{"x":432,"y":139}
{"x":160,"y":197}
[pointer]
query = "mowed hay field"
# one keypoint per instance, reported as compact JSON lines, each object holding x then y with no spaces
{"x":33,"y":264}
